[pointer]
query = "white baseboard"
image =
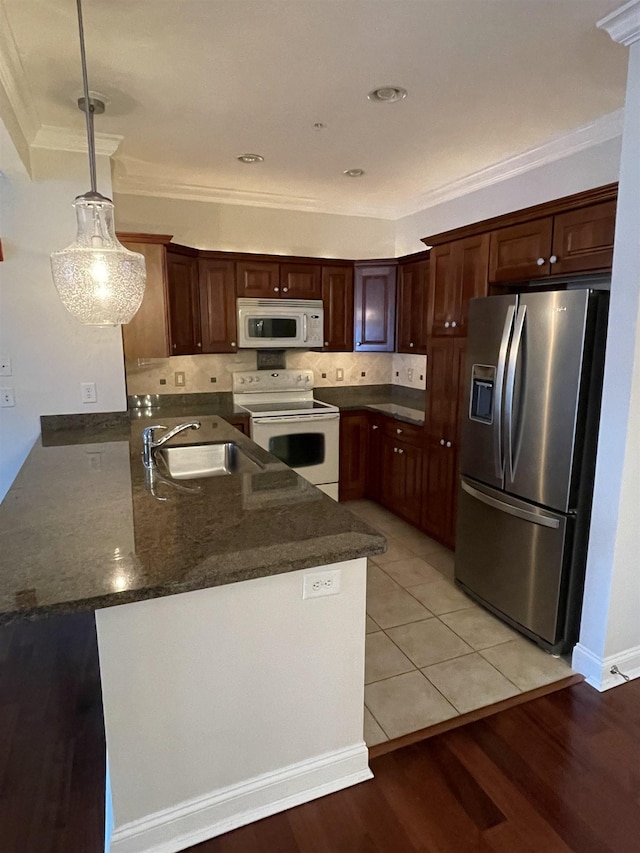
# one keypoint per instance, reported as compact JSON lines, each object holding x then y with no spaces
{"x":194,"y":821}
{"x":597,"y":671}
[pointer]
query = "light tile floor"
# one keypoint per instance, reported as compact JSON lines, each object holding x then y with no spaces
{"x":431,"y":652}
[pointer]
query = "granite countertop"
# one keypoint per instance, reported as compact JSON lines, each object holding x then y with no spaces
{"x":81,"y":529}
{"x":404,"y":404}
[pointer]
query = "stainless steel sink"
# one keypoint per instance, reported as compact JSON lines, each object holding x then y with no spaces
{"x":214,"y":459}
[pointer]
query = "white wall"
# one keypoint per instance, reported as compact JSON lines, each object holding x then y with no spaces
{"x":50,"y":351}
{"x":236,"y":228}
{"x":583,"y":170}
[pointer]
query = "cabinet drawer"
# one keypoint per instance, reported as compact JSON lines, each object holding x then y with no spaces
{"x":401,"y":431}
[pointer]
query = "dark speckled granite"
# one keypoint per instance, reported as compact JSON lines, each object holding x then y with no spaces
{"x":81,"y":529}
{"x":405,"y":404}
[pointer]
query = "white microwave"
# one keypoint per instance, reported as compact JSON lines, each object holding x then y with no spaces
{"x":280,"y":323}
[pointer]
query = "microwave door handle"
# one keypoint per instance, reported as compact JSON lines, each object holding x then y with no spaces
{"x":510,"y":388}
{"x":498,"y":451}
{"x":304,"y":328}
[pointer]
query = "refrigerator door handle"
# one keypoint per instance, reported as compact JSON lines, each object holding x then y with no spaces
{"x":498,"y":453}
{"x":533,"y":517}
{"x":510,"y":388}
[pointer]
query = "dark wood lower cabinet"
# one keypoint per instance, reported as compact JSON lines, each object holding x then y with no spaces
{"x":354,"y":430}
{"x":401,"y":481}
{"x":439,"y":492}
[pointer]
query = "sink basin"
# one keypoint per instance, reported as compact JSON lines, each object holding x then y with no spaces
{"x":214,"y":459}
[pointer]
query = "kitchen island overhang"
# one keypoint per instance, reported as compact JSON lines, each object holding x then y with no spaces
{"x":227,"y":695}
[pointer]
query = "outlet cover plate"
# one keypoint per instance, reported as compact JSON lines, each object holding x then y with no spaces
{"x":321,"y":583}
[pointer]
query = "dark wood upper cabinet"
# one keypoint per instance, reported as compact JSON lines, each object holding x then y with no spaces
{"x":184,"y":308}
{"x":337,"y":300}
{"x":258,"y":279}
{"x":413,"y":283}
{"x":300,"y":281}
{"x":583,"y":239}
{"x":217,"y":305}
{"x":374,"y":308}
{"x":521,"y":252}
{"x":458,"y":273}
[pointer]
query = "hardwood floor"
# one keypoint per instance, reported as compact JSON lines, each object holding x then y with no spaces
{"x":559,"y":773}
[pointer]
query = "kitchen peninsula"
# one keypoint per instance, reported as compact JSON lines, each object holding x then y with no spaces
{"x":230,"y":690}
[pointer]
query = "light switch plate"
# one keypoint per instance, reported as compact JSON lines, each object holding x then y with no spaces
{"x":5,"y":365}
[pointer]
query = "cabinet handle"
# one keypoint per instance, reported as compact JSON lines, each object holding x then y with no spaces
{"x":399,"y":431}
{"x":285,"y":289}
{"x":400,"y":450}
{"x":374,"y":426}
{"x":448,"y":444}
{"x":447,"y":324}
{"x":540,"y":262}
{"x":276,"y":289}
{"x":453,"y":324}
{"x":410,"y":345}
{"x":553,"y":259}
{"x":442,"y":442}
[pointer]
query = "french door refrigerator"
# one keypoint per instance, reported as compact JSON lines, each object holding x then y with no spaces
{"x":528,"y":443}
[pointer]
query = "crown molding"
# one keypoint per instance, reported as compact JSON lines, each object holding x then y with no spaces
{"x":623,"y":25}
{"x":65,"y":139}
{"x":14,"y":81}
{"x":596,"y":132}
{"x":149,"y":185}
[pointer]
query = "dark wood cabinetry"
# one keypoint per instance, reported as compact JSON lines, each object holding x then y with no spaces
{"x":412,"y":303}
{"x":301,"y":281}
{"x":260,"y":279}
{"x":573,"y":241}
{"x":374,"y":308}
{"x":401,"y":477}
{"x":217,"y":305}
{"x":337,"y":301}
{"x":354,"y":434}
{"x":458,"y":273}
{"x":439,"y":492}
{"x":373,"y":488}
{"x":184,"y":304}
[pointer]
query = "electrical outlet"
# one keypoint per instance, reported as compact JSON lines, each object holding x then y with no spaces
{"x":321,"y":583}
{"x":88,"y":393}
{"x":7,"y":398}
{"x":5,"y":365}
{"x":179,"y":377}
{"x":339,"y":374}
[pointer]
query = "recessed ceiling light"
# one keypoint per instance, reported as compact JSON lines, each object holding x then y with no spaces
{"x":388,"y":94}
{"x":353,"y":173}
{"x":250,"y":158}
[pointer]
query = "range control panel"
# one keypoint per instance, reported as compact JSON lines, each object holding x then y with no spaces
{"x":272,"y":380}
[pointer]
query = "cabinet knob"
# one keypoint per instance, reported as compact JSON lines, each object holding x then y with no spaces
{"x":326,"y":343}
{"x":399,"y":431}
{"x":410,"y":344}
{"x":400,"y":450}
{"x":553,"y":259}
{"x":285,"y":289}
{"x":395,"y":449}
{"x":175,"y":346}
{"x":448,"y":444}
{"x":453,"y":324}
{"x":358,"y":344}
{"x":199,"y":344}
{"x":276,"y":289}
{"x":540,"y":262}
{"x":375,"y":426}
{"x":447,"y":324}
{"x":442,"y":442}
{"x":233,"y":343}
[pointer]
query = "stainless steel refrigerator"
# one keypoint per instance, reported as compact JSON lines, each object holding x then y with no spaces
{"x":528,"y":444}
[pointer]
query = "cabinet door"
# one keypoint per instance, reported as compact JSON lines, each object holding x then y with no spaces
{"x":374,"y":462}
{"x":439,"y":493}
{"x":413,"y":283}
{"x":337,"y":300}
{"x":354,"y":428}
{"x":217,"y":305}
{"x":583,"y":239}
{"x":258,"y":279}
{"x":471,"y":277}
{"x":521,"y":252}
{"x":300,"y":281}
{"x":389,"y":486}
{"x":407,"y":491}
{"x":445,"y":388}
{"x":442,"y":287}
{"x":184,"y":311}
{"x":374,"y":308}
{"x":147,"y":335}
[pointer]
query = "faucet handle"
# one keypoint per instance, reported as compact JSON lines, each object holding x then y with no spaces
{"x":148,"y":431}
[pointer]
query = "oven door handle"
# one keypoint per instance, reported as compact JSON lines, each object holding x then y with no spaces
{"x":297,"y":419}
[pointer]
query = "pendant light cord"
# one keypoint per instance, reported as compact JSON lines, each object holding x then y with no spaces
{"x":88,"y":106}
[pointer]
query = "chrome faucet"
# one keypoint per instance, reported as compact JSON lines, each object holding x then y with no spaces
{"x":150,"y":443}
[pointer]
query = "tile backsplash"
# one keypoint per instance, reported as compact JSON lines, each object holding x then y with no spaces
{"x":206,"y":373}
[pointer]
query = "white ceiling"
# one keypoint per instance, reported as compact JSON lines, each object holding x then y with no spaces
{"x":194,"y":83}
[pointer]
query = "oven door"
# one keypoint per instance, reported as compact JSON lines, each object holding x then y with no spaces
{"x":307,"y":443}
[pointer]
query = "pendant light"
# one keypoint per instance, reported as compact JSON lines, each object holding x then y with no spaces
{"x":99,"y":281}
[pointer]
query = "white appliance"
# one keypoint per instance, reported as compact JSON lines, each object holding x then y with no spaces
{"x":288,"y":422}
{"x":280,"y":323}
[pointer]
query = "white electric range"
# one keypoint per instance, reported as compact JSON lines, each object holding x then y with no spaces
{"x":287,"y":421}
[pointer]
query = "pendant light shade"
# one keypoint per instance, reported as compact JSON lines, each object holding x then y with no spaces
{"x":99,"y":281}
